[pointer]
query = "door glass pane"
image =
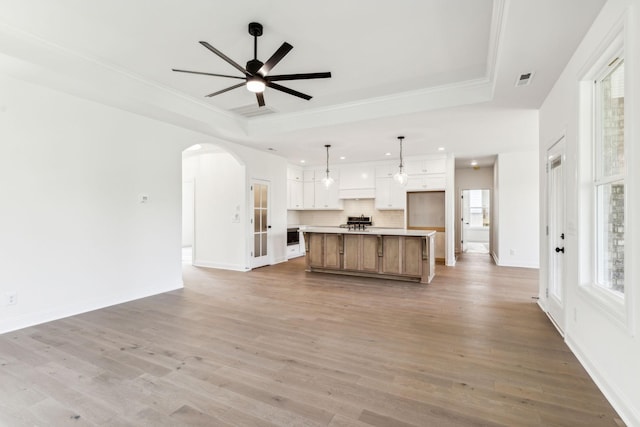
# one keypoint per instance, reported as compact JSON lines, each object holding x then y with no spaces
{"x":260,"y":220}
{"x":256,"y":220}
{"x":264,"y":243}
{"x":256,"y":196}
{"x":263,"y":196}
{"x":256,"y":245}
{"x":263,"y":220}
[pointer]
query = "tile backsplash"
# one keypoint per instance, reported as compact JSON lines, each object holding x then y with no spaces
{"x":366,"y":207}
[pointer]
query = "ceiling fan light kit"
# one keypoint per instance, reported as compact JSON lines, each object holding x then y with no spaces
{"x":256,"y":72}
{"x":255,"y":84}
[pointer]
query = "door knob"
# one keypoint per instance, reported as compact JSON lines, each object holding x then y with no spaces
{"x":559,"y":250}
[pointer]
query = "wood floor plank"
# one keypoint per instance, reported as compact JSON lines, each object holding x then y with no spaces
{"x":278,"y":346}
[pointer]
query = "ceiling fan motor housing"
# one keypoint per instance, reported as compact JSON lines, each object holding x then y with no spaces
{"x":253,"y":66}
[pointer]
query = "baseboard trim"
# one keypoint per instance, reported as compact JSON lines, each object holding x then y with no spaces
{"x":623,"y":407}
{"x":33,"y":319}
{"x":207,"y":264}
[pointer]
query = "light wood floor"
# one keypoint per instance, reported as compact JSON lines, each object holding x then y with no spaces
{"x":278,"y":346}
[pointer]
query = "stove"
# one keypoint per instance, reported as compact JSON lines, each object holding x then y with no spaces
{"x":357,"y":222}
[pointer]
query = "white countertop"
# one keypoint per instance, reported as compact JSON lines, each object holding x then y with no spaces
{"x":369,"y":230}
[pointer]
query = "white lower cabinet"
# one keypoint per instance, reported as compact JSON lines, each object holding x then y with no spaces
{"x":294,"y":251}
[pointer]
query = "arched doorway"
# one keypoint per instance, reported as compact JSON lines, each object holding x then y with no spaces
{"x":214,"y":208}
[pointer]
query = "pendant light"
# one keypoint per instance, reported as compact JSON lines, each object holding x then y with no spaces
{"x":327,"y":180}
{"x":401,"y":176}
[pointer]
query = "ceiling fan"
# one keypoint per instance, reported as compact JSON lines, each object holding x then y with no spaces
{"x":256,"y":73}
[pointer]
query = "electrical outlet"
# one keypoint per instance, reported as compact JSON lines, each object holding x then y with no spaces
{"x":12,"y":298}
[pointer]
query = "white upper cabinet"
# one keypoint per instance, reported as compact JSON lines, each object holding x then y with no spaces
{"x":426,"y":174}
{"x":357,"y":182}
{"x":294,"y":174}
{"x":317,"y":195}
{"x":436,"y":181}
{"x":389,"y":194}
{"x":294,"y":188}
{"x":426,"y":166}
{"x":387,"y":170}
{"x":295,"y":192}
{"x":295,"y":195}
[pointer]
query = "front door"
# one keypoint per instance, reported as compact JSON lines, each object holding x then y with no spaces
{"x":555,"y":236}
{"x":260,"y":254}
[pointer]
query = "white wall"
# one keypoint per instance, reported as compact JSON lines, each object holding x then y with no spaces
{"x":188,"y":213}
{"x":74,"y":236}
{"x":516,"y":223}
{"x":609,"y":349}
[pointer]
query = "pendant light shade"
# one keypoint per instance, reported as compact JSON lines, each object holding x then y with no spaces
{"x":327,"y":180}
{"x":401,"y":176}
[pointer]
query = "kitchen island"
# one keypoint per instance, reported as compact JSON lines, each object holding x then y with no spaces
{"x":390,"y":253}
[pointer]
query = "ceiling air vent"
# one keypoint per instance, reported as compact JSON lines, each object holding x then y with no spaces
{"x":524,"y":79}
{"x":253,"y":110}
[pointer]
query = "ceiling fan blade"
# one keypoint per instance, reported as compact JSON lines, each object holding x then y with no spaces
{"x":275,"y":58}
{"x":289,"y":91}
{"x":225,"y":90}
{"x":208,"y":74}
{"x":225,"y":57}
{"x":302,"y":76}
{"x":260,"y":97}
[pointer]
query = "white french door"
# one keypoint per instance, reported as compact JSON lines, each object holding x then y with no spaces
{"x":260,"y":255}
{"x":555,"y":293}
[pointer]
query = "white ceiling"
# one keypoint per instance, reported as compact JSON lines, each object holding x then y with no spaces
{"x":439,"y":72}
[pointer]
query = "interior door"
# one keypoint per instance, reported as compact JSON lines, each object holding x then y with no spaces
{"x":260,"y":255}
{"x":555,"y":293}
{"x":464,"y":217}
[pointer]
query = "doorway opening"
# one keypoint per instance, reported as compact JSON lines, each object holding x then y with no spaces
{"x":214,"y":208}
{"x":476,"y":221}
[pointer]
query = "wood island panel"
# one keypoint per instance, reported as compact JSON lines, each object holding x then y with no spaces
{"x":360,"y":252}
{"x":352,"y":245}
{"x":412,"y":256}
{"x":370,"y":253}
{"x":395,"y":256}
{"x":314,"y":250}
{"x":332,"y":250}
{"x":391,"y":254}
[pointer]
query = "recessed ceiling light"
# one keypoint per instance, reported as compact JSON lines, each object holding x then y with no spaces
{"x":440,"y":148}
{"x":387,"y":154}
{"x":302,"y":161}
{"x":474,"y":163}
{"x":342,"y":157}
